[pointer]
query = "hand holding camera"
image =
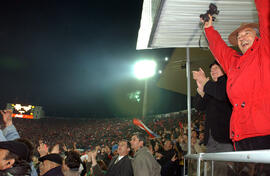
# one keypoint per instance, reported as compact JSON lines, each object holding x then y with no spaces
{"x":209,"y":17}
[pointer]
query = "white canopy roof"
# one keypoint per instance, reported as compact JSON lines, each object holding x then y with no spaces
{"x":175,"y":23}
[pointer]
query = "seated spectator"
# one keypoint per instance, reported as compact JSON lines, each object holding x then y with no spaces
{"x":13,"y":157}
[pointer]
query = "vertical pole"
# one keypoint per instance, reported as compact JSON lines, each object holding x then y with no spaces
{"x":144,"y":113}
{"x":199,"y":166}
{"x":205,"y":168}
{"x":212,"y":168}
{"x":188,"y":101}
{"x":184,"y":167}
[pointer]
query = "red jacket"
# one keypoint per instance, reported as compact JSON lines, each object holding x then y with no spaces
{"x":248,"y":85}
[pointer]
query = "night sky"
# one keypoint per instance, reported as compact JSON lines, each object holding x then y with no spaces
{"x":75,"y":58}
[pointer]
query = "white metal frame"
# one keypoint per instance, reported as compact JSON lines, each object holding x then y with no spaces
{"x":253,"y":156}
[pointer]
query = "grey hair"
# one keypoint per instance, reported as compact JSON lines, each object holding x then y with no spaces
{"x":257,"y":32}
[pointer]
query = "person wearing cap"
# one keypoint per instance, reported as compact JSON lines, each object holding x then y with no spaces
{"x":248,"y":82}
{"x":114,"y":149}
{"x":9,"y":133}
{"x":13,"y":157}
{"x":51,"y":165}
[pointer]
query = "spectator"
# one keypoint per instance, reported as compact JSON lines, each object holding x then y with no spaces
{"x":30,"y":155}
{"x":72,"y":163}
{"x":168,"y":160}
{"x":143,"y":162}
{"x":51,"y":165}
{"x":212,"y":98}
{"x":13,"y":157}
{"x":120,"y":165}
{"x":9,"y":132}
{"x":248,"y":78}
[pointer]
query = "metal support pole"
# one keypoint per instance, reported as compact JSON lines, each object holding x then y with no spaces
{"x":144,"y":113}
{"x":188,"y":101}
{"x":205,"y":168}
{"x":198,"y":167}
{"x":212,"y":168}
{"x":184,"y":166}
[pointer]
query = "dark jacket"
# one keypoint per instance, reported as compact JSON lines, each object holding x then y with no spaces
{"x":57,"y":171}
{"x":168,"y":168}
{"x":218,"y":110}
{"x":121,"y":168}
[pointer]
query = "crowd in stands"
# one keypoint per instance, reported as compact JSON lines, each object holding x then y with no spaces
{"x":83,"y":136}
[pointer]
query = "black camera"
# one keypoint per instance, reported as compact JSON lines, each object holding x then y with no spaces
{"x":212,"y":10}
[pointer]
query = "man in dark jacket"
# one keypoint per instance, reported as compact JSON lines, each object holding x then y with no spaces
{"x":51,"y":165}
{"x":168,"y":160}
{"x":212,"y":99}
{"x":120,"y":165}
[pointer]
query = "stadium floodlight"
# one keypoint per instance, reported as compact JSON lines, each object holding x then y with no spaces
{"x":144,"y":69}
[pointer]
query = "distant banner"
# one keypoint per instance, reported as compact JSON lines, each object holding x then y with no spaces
{"x":140,"y":124}
{"x":23,"y":116}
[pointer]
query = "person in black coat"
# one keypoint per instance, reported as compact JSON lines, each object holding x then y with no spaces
{"x":212,"y":98}
{"x":120,"y":165}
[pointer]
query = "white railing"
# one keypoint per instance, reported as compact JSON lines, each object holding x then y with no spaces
{"x":255,"y":156}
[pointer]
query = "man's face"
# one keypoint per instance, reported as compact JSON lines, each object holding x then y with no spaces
{"x":245,"y":39}
{"x":201,"y":137}
{"x":4,"y":163}
{"x":107,"y":149}
{"x":167,"y":145}
{"x":135,"y":143}
{"x":3,"y":154}
{"x":216,"y":72}
{"x":123,"y":149}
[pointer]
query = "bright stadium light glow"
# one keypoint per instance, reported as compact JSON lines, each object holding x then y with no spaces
{"x":166,"y":58}
{"x":145,"y":69}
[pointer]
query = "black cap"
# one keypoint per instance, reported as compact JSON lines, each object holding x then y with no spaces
{"x":15,"y":147}
{"x":52,"y":157}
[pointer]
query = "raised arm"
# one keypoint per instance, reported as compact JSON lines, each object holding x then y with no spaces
{"x":221,"y":51}
{"x":9,"y":132}
{"x":263,"y":8}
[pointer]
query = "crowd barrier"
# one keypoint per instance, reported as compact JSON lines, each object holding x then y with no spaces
{"x":255,"y":156}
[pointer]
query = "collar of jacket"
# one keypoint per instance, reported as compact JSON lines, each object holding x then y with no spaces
{"x":57,"y":171}
{"x":141,"y":150}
